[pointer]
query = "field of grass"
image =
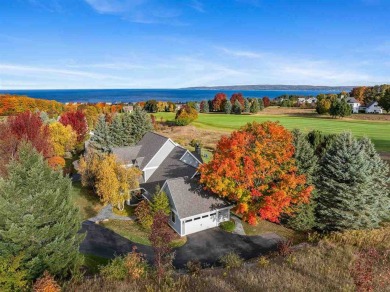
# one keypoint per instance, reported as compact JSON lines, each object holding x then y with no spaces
{"x":378,"y":131}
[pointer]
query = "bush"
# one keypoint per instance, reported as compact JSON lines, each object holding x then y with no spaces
{"x":115,"y":270}
{"x":56,"y":162}
{"x":231,"y":260}
{"x":144,"y":216}
{"x":263,"y":261}
{"x":228,"y":226}
{"x":194,"y":267}
{"x":46,"y":283}
{"x":136,"y":265}
{"x":186,"y":115}
{"x":284,"y":248}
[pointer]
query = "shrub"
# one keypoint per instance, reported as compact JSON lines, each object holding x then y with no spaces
{"x":194,"y":267}
{"x":228,"y":226}
{"x":263,"y":261}
{"x":231,"y":260}
{"x":186,"y":115}
{"x":136,"y":265}
{"x":284,"y":248}
{"x":143,"y":213}
{"x":115,"y":270}
{"x":46,"y":283}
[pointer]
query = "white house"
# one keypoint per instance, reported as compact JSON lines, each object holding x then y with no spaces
{"x":374,"y":108}
{"x":166,"y":164}
{"x":355,"y":104}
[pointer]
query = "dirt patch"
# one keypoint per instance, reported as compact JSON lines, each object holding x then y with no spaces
{"x":371,"y":117}
{"x":275,"y":110}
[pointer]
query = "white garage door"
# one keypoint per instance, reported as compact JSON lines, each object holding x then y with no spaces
{"x":200,"y":223}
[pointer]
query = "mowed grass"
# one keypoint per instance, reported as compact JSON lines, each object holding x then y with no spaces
{"x":377,"y":131}
{"x":87,"y":202}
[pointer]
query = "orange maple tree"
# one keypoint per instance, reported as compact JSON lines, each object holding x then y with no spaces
{"x":255,"y":168}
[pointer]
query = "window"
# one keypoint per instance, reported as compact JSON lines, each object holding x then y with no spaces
{"x":173,"y":217}
{"x":205,"y":216}
{"x":189,"y":220}
{"x":196,"y":218}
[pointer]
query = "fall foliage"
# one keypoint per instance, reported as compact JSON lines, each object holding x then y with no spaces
{"x":266,"y":101}
{"x":186,"y":115}
{"x":255,"y":167}
{"x":63,"y":138}
{"x":46,"y":283}
{"x":219,"y":102}
{"x":56,"y":162}
{"x":238,"y":97}
{"x":78,"y":122}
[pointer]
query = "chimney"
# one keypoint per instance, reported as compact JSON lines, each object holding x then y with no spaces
{"x":198,"y":149}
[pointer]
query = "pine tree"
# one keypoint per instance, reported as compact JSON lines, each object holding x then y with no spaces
{"x":127,"y":121}
{"x":141,"y":123}
{"x":303,"y":217}
{"x":347,"y":196}
{"x":101,"y":139}
{"x":160,"y":202}
{"x":379,"y":172}
{"x":255,"y":107}
{"x":39,"y":219}
{"x":227,"y":107}
{"x":117,"y":134}
{"x":261,"y":104}
{"x":247,"y":105}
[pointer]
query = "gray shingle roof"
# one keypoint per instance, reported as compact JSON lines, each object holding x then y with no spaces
{"x":150,"y":144}
{"x":127,"y":154}
{"x":352,"y":100}
{"x":171,"y":167}
{"x":190,"y":199}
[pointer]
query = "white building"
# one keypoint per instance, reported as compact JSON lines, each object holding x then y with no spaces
{"x":374,"y":108}
{"x":355,"y":104}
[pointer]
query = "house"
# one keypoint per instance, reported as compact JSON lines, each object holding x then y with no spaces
{"x":355,"y":104}
{"x":166,"y":164}
{"x":311,"y":100}
{"x":373,"y":108}
{"x":128,"y":109}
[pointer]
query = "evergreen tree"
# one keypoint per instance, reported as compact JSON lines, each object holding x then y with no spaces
{"x":237,"y":107}
{"x":140,"y":124}
{"x":347,"y":194}
{"x":247,"y":105}
{"x":117,"y":134}
{"x":101,"y":139}
{"x":261,"y":104}
{"x":303,"y":217}
{"x":340,"y":108}
{"x":160,"y":202}
{"x":227,"y":107}
{"x":255,"y":107}
{"x":384,"y":101}
{"x":206,"y":107}
{"x":379,"y":171}
{"x":128,"y":139}
{"x":38,"y":218}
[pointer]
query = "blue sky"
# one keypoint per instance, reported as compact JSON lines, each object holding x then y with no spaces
{"x":170,"y":44}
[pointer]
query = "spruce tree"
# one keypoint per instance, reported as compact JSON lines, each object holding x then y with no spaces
{"x":247,"y":105}
{"x":38,"y":218}
{"x":117,"y":134}
{"x":160,"y":202}
{"x":237,"y":107}
{"x":127,"y":121}
{"x":141,"y":123}
{"x":255,"y":107}
{"x":227,"y":107}
{"x":101,"y":139}
{"x":347,"y":196}
{"x":380,"y":182}
{"x":303,"y":217}
{"x":206,"y":107}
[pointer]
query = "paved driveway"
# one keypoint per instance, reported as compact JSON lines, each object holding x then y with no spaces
{"x":206,"y":246}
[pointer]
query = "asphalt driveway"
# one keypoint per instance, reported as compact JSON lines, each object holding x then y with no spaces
{"x":206,"y":246}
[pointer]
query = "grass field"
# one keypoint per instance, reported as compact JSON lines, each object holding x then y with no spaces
{"x":378,"y":131}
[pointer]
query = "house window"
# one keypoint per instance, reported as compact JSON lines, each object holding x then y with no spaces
{"x":173,"y":217}
{"x":205,"y":216}
{"x":189,"y":220}
{"x":196,"y":218}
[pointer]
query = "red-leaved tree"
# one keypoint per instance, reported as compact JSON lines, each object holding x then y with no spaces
{"x":78,"y":122}
{"x":161,"y":237}
{"x":255,"y":167}
{"x":266,"y":101}
{"x":219,"y":101}
{"x":238,"y":96}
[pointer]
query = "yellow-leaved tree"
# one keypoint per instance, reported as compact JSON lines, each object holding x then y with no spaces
{"x":63,"y":138}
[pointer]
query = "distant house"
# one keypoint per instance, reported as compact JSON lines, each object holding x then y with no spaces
{"x":128,"y":109}
{"x":374,"y":108}
{"x":301,"y":100}
{"x":355,"y":104}
{"x":174,"y":168}
{"x":178,"y":106}
{"x":311,"y":100}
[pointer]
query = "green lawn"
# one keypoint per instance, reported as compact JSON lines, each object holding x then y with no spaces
{"x":87,"y":202}
{"x":134,"y":232}
{"x":93,"y":262}
{"x":127,"y":211}
{"x":378,"y":131}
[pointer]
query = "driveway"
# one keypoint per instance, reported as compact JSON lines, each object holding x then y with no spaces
{"x":206,"y":246}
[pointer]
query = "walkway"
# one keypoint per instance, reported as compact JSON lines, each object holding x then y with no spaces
{"x":107,"y":213}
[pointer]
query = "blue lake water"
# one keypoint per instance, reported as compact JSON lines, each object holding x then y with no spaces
{"x":134,"y":95}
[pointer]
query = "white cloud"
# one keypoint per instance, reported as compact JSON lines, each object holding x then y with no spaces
{"x":240,"y":53}
{"x":197,"y":5}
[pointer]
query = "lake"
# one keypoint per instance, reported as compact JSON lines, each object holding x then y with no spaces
{"x":134,"y":95}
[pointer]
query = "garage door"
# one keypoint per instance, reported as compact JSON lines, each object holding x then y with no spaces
{"x":200,"y":223}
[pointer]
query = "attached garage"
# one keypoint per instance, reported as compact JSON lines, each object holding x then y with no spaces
{"x":192,"y":208}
